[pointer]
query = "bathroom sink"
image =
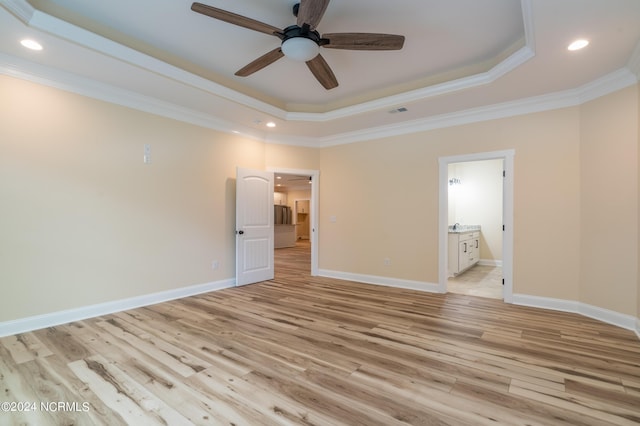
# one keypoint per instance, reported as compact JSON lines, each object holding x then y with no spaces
{"x":457,"y":228}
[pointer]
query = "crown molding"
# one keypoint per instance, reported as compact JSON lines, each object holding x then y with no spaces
{"x":512,"y":62}
{"x":609,"y":83}
{"x":65,"y":30}
{"x":26,"y":70}
{"x":20,"y":9}
{"x":515,"y":60}
{"x":634,"y":61}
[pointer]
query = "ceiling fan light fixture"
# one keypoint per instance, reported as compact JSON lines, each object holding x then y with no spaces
{"x":300,"y":49}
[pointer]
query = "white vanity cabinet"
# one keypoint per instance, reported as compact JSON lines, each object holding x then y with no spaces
{"x":464,"y":250}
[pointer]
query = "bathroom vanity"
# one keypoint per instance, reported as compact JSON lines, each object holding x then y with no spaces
{"x":464,"y":248}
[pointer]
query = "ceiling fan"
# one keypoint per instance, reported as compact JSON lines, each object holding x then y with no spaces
{"x":302,"y":42}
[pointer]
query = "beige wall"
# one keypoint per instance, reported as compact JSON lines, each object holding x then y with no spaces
{"x":84,"y":221}
{"x":384,"y":196}
{"x":291,"y":157}
{"x":609,"y":202}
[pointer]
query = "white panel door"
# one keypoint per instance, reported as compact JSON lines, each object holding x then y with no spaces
{"x":254,"y":226}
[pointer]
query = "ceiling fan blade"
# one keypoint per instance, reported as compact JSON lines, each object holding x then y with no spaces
{"x":310,"y":12}
{"x":363,"y":41}
{"x":235,"y":19}
{"x":322,"y":72}
{"x":261,"y":62}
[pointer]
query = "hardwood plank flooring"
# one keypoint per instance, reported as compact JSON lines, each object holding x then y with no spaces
{"x":302,"y":350}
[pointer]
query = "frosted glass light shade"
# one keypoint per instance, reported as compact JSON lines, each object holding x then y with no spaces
{"x":300,"y":49}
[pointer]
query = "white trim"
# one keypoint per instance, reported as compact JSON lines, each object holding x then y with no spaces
{"x":610,"y":317}
{"x":37,"y":322}
{"x":65,"y":30}
{"x":512,"y":62}
{"x":30,"y":71}
{"x":627,"y":322}
{"x":315,"y":209}
{"x":545,"y":303}
{"x":507,"y":215}
{"x":20,"y":68}
{"x":21,"y":9}
{"x":634,"y":61}
{"x":378,"y":280}
{"x":490,"y":262}
{"x":42,"y":21}
{"x":609,"y":83}
{"x":606,"y":84}
{"x":63,"y":80}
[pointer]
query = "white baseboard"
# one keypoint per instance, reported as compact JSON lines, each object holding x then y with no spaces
{"x":490,"y":262}
{"x":23,"y":325}
{"x":37,"y":322}
{"x":610,"y":317}
{"x":386,"y":281}
{"x":628,"y":322}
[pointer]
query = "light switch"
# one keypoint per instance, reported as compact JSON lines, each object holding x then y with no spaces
{"x":147,"y":153}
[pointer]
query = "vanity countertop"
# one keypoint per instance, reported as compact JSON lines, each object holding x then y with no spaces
{"x":460,"y":229}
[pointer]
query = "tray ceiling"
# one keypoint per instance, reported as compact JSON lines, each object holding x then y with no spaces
{"x":458,"y":55}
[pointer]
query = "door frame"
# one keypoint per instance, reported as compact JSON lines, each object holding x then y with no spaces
{"x":315,"y":186}
{"x":507,"y":216}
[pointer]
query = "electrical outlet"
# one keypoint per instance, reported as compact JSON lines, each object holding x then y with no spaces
{"x":387,"y":261}
{"x":215,"y":265}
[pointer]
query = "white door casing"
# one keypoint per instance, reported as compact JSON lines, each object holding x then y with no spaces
{"x":314,"y":213}
{"x":507,"y":215}
{"x":254,"y":226}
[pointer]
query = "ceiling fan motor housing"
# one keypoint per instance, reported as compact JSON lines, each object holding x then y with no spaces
{"x":300,"y":43}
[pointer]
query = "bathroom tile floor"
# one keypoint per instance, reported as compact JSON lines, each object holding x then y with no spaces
{"x":479,"y":280}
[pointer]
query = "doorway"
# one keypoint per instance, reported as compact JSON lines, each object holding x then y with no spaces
{"x":475,"y":228}
{"x":447,"y":163}
{"x":303,"y":202}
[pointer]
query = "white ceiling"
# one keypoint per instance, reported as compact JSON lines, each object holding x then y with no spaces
{"x":461,"y":57}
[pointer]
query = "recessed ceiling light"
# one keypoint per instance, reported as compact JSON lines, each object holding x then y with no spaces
{"x":578,"y":44}
{"x":31,"y":44}
{"x":271,"y":124}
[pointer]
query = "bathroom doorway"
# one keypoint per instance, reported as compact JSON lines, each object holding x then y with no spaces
{"x":475,"y":228}
{"x":497,"y":247}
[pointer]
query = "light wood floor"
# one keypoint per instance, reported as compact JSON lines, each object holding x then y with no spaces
{"x":318,"y":351}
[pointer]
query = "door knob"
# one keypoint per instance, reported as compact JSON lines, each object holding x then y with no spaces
{"x":240,"y":232}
